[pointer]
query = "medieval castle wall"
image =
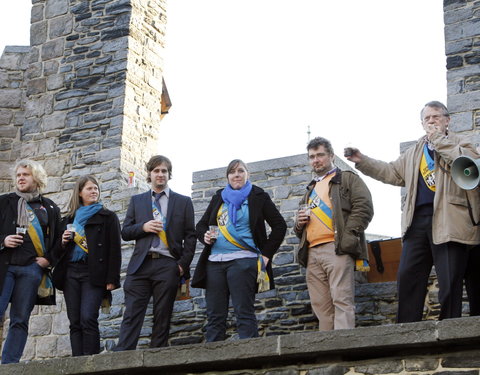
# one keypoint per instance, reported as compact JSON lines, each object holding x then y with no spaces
{"x":85,"y":97}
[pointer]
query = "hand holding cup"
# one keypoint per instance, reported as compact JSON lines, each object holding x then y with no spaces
{"x":211,"y":234}
{"x":303,"y":215}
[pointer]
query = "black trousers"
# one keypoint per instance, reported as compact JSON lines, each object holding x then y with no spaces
{"x":83,"y":302}
{"x":472,"y":281}
{"x":158,"y":278}
{"x":419,"y":253}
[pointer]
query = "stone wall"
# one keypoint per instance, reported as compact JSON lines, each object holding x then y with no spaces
{"x":84,"y":98}
{"x":448,"y":347}
{"x":462,"y":47}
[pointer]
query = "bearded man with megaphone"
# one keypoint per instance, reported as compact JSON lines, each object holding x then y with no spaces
{"x":437,"y":224}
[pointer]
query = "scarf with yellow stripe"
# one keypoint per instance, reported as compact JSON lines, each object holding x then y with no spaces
{"x":230,"y":233}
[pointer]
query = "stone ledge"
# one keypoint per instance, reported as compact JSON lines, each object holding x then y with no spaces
{"x":322,"y":347}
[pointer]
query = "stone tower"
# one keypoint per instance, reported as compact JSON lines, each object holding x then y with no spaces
{"x":84,"y":98}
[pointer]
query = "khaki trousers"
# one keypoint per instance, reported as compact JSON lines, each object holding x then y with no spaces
{"x":331,"y":286}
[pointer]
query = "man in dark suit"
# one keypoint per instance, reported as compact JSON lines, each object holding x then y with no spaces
{"x":162,"y":224}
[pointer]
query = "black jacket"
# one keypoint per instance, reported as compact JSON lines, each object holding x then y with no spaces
{"x":8,"y":224}
{"x":104,"y":250}
{"x":261,"y":209}
{"x":180,"y":230}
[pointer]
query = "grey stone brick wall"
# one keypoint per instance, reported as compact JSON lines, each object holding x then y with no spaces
{"x":69,"y":101}
{"x":445,"y":347}
{"x":84,"y":97}
{"x":462,"y":48}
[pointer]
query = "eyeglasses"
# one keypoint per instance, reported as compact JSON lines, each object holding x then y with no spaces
{"x":433,"y":117}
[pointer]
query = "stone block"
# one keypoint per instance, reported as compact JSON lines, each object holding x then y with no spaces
{"x":52,"y":49}
{"x":465,"y":328}
{"x":283,"y":258}
{"x":46,"y":346}
{"x":282,"y":192}
{"x":29,"y":351}
{"x":60,"y":26}
{"x":5,"y":116}
{"x":56,"y":8}
{"x":290,"y":371}
{"x":29,"y":150}
{"x":38,"y":33}
{"x":64,"y":348}
{"x":55,"y":81}
{"x":8,"y":131}
{"x":329,"y":370}
{"x":46,"y":147}
{"x":10,"y":98}
{"x":421,"y":364}
{"x":385,"y":367}
{"x":289,"y":205}
{"x":40,"y":325}
{"x":36,"y":13}
{"x":55,"y":167}
{"x":61,"y":324}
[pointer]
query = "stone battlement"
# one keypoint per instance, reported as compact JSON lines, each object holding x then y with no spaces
{"x":447,"y":347}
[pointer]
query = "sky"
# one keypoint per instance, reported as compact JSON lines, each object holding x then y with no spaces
{"x":248,"y":78}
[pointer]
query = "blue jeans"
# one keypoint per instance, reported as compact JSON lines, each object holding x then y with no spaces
{"x":238,"y":279}
{"x":20,"y":288}
{"x":83,"y":302}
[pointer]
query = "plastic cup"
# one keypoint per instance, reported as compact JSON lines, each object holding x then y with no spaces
{"x":71,"y":230}
{"x":22,"y":231}
{"x":305,"y":208}
{"x":213,"y":231}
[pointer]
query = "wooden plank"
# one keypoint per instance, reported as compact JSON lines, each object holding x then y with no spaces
{"x":390,"y":251}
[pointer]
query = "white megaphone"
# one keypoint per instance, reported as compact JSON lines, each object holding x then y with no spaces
{"x":466,"y":172}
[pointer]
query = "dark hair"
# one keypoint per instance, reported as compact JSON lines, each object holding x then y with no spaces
{"x":233,"y":164}
{"x":320,"y":141}
{"x":435,"y":104}
{"x":154,"y":162}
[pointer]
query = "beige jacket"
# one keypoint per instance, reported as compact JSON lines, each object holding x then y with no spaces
{"x":451,"y":218}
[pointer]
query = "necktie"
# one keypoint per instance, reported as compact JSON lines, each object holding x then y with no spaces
{"x":156,"y":239}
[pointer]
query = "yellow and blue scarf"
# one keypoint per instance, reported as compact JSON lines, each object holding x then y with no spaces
{"x":157,"y":215}
{"x":82,"y":215}
{"x":321,"y":210}
{"x":427,"y":166}
{"x":35,"y":232}
{"x":230,"y":233}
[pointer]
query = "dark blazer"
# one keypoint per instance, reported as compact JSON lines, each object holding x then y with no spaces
{"x":261,"y":209}
{"x":180,"y":229}
{"x":104,"y":250}
{"x":8,"y":224}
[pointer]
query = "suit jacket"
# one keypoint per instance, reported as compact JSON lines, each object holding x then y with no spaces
{"x":8,"y":223}
{"x":261,"y":209}
{"x":102,"y":231}
{"x":180,"y":229}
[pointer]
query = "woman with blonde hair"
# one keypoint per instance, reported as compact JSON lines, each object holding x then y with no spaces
{"x":89,"y":263}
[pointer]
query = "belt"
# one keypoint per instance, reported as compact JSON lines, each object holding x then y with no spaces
{"x":154,"y":255}
{"x":81,"y":261}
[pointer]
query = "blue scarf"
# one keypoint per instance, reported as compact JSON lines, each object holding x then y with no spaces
{"x":82,"y":215}
{"x":234,"y":199}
